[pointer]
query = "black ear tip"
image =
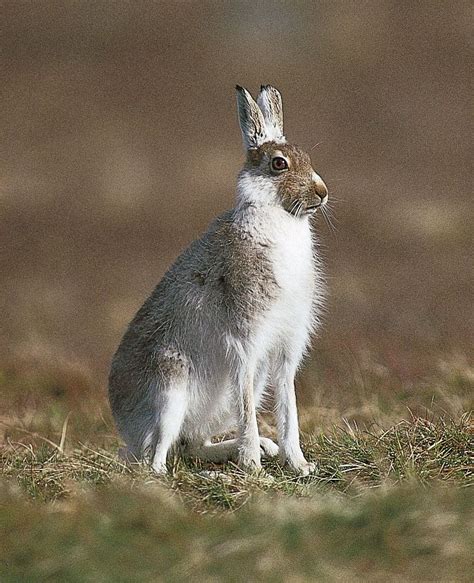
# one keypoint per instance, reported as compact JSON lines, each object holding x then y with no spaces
{"x":239,"y":88}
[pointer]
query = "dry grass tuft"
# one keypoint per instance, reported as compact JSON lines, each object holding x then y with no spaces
{"x":390,"y":501}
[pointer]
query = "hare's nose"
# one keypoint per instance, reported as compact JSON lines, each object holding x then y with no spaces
{"x":320,"y":188}
{"x":324,"y":198}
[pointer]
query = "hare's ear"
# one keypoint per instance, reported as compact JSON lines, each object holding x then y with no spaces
{"x":269,"y":101}
{"x":251,"y":120}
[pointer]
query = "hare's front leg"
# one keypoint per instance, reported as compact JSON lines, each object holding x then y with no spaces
{"x":287,"y":419}
{"x":248,"y":439}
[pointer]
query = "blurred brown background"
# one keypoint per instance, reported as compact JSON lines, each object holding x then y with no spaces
{"x":120,"y":143}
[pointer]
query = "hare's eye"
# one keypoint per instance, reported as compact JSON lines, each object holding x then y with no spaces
{"x":279,"y":164}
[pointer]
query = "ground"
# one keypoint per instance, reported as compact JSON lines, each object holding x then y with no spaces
{"x":390,"y":500}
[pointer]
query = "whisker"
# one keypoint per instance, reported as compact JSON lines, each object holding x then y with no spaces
{"x":328,"y":220}
{"x":293,"y":206}
{"x":333,"y":222}
{"x":300,"y":209}
{"x":331,"y":216}
{"x":329,"y":208}
{"x":315,"y":146}
{"x":333,"y":191}
{"x":333,"y":198}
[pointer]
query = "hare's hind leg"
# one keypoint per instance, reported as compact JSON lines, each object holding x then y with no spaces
{"x":171,"y":403}
{"x":228,"y":450}
{"x":217,"y":453}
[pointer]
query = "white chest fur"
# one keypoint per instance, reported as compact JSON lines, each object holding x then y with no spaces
{"x":289,"y":319}
{"x":292,"y":255}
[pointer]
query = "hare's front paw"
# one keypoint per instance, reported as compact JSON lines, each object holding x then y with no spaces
{"x":249,"y":461}
{"x":304,"y":468}
{"x":299,"y":465}
{"x":160,"y":469}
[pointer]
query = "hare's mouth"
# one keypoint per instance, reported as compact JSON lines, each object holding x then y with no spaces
{"x":303,"y":210}
{"x":300,"y":209}
{"x":312,"y":208}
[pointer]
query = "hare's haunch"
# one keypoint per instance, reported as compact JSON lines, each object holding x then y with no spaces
{"x":231,"y":317}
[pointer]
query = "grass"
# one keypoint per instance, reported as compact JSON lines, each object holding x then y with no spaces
{"x":349,"y":460}
{"x":144,"y":534}
{"x":389,"y":502}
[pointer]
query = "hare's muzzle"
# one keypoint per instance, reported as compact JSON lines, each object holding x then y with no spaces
{"x":319,"y":191}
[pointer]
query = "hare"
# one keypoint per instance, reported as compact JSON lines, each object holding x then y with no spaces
{"x":231,"y":317}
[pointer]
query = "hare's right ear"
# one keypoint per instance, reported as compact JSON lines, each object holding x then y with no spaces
{"x":252,"y":123}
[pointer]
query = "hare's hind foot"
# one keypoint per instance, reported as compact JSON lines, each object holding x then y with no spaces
{"x":268,"y":448}
{"x":228,"y":450}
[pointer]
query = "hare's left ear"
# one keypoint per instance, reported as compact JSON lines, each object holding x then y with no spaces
{"x":269,"y":101}
{"x":252,"y":123}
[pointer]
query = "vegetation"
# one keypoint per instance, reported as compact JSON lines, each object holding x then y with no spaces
{"x":118,"y":533}
{"x":389,"y":503}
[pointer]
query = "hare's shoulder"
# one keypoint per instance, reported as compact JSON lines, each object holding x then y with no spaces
{"x":227,"y":268}
{"x":242,"y":257}
{"x":230,"y":265}
{"x":229,"y":250}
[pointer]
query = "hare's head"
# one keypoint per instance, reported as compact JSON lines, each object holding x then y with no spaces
{"x":275,"y":172}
